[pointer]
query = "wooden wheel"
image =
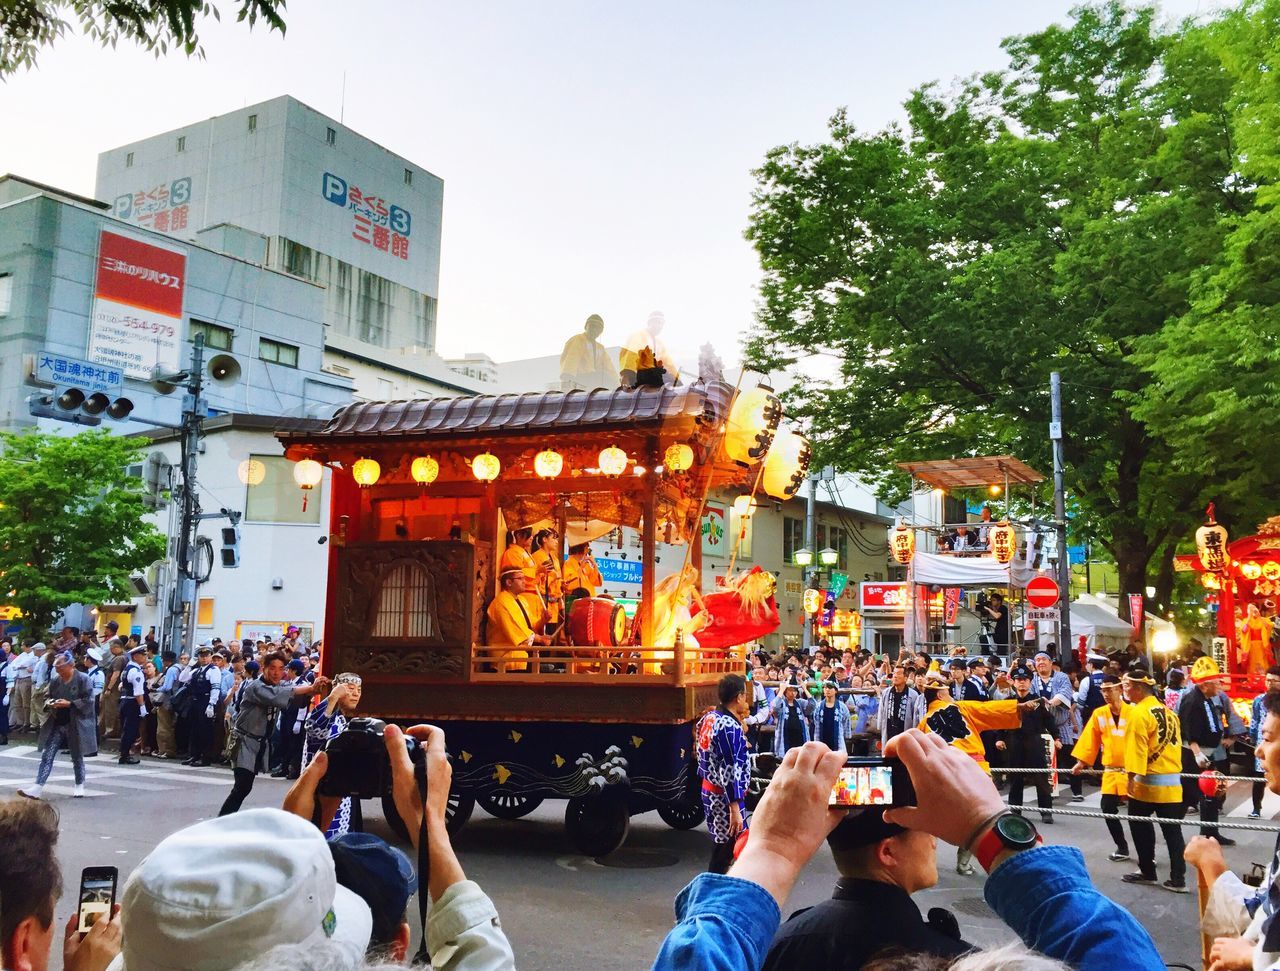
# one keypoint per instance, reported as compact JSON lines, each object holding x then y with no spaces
{"x":508,"y":805}
{"x":456,"y":814}
{"x":682,"y":815}
{"x":597,"y":825}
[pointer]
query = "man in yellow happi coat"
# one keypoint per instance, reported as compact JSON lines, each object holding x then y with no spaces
{"x":1153,"y":760}
{"x":961,"y":723}
{"x":514,"y":621}
{"x":1105,"y":732}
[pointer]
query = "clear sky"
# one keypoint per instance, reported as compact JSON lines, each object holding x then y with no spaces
{"x":596,"y":155}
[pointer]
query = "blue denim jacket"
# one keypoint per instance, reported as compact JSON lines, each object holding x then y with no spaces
{"x":1044,"y":895}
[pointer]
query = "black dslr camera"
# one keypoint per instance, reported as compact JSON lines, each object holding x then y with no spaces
{"x":359,"y":765}
{"x":983,"y":601}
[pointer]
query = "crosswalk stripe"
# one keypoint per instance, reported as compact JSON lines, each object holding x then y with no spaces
{"x":112,"y":769}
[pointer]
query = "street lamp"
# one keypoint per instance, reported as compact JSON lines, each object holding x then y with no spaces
{"x":828,"y":557}
{"x":802,"y":557}
{"x":1165,"y":640}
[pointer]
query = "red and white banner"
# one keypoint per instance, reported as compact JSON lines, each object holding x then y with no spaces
{"x":951,"y":605}
{"x":1135,"y":612}
{"x":137,"y":305}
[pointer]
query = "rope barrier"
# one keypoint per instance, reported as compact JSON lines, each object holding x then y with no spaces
{"x":1067,"y":772}
{"x":1196,"y":823}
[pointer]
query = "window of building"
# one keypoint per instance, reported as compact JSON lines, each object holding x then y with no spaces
{"x":408,"y":176}
{"x":6,"y":294}
{"x":204,"y":612}
{"x":128,"y":161}
{"x":277,"y":352}
{"x":253,"y":123}
{"x":182,"y":143}
{"x":278,"y":498}
{"x":406,"y":603}
{"x":792,"y":538}
{"x":834,"y":537}
{"x":330,"y":136}
{"x":215,"y":335}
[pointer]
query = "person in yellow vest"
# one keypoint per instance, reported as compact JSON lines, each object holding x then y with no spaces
{"x":1152,"y":760}
{"x":1253,"y":647}
{"x":550,"y":584}
{"x":581,"y":572}
{"x":515,"y":621}
{"x":1104,"y":733}
{"x":961,"y":723}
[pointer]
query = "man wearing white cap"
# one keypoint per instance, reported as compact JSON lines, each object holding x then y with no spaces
{"x":97,"y":678}
{"x":70,"y":709}
{"x":220,"y":893}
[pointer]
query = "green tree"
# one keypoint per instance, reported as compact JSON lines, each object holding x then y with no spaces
{"x":27,"y":26}
{"x":71,"y":522}
{"x":1215,"y":389}
{"x":1047,"y":216}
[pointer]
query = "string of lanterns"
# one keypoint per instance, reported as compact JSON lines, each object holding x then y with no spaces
{"x":751,"y":434}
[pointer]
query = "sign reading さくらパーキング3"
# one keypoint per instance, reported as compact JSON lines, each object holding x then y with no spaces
{"x":136,"y":322}
{"x":374,"y":221}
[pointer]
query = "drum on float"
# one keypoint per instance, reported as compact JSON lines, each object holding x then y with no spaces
{"x":597,"y":622}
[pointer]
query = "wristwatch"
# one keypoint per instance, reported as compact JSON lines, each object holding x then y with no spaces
{"x":1010,"y":832}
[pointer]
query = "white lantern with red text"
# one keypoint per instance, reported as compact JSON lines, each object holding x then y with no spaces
{"x":1211,"y":544}
{"x":902,"y":543}
{"x":1004,"y":541}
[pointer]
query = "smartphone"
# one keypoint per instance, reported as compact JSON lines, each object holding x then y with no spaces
{"x":97,"y":895}
{"x":872,"y":781}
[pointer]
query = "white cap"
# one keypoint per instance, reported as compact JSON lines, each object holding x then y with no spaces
{"x":219,"y":893}
{"x":95,"y":653}
{"x":38,"y":646}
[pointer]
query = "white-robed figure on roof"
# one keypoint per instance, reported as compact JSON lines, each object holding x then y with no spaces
{"x":644,"y":359}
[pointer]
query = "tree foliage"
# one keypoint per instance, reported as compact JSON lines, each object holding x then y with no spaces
{"x":71,"y":522}
{"x":1056,"y":214}
{"x":27,"y":26}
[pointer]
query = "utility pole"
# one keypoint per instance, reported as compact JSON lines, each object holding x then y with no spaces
{"x":809,"y":544}
{"x":1060,"y":514}
{"x":183,"y":603}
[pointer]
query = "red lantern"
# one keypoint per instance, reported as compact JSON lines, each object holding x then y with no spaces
{"x":1212,"y":784}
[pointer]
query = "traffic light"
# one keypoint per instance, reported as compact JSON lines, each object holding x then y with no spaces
{"x":230,"y":547}
{"x":75,"y":405}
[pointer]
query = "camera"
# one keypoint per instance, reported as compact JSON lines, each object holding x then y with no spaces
{"x":983,"y":601}
{"x":359,"y":765}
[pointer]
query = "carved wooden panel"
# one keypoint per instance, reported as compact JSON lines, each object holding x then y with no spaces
{"x":406,"y":608}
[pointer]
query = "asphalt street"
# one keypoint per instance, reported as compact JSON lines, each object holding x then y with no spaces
{"x":562,"y":910}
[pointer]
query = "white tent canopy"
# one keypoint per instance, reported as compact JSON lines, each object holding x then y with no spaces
{"x":968,"y":571}
{"x":1103,"y":631}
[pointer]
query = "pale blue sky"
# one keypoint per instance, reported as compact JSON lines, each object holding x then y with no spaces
{"x":596,"y":156}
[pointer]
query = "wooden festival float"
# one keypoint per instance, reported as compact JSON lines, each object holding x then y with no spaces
{"x":1239,"y":574}
{"x":423,"y":493}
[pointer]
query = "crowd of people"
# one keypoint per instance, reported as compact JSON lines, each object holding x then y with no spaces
{"x":82,"y":689}
{"x":960,"y":724}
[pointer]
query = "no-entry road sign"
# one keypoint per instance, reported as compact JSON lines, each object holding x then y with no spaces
{"x":1042,"y":592}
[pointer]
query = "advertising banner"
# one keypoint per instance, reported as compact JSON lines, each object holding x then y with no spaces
{"x":715,"y":536}
{"x":136,"y":322}
{"x":620,"y":571}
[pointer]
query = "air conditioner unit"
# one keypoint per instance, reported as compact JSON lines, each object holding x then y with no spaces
{"x":139,"y":584}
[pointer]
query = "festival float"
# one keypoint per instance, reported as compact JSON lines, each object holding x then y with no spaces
{"x":1242,"y":578}
{"x":424,"y":493}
